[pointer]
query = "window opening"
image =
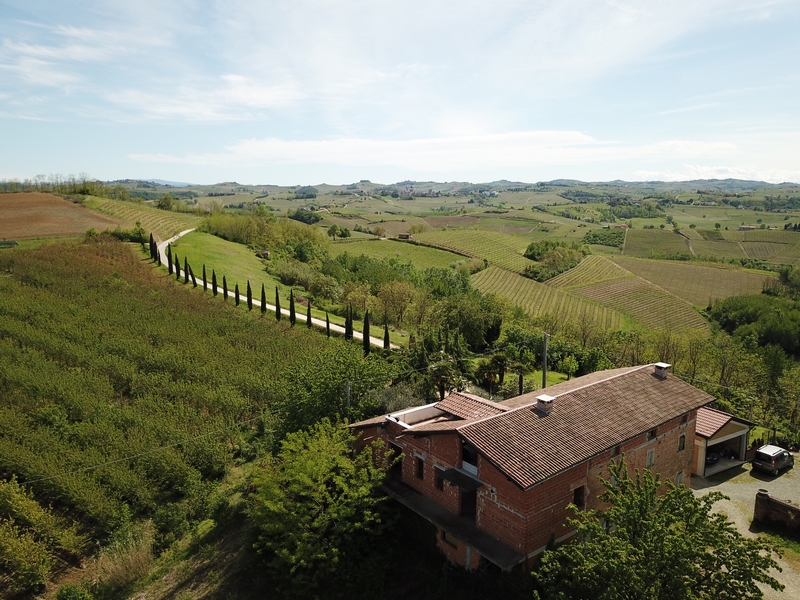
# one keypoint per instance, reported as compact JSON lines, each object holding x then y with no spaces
{"x":420,"y":468}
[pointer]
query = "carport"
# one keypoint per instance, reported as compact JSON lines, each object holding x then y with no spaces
{"x":719,"y":434}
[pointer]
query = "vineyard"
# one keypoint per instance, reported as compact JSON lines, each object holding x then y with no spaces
{"x":161,"y":223}
{"x":649,"y":242}
{"x":499,"y":249}
{"x":694,"y":283}
{"x":762,"y":250}
{"x":422,"y":257}
{"x":644,"y":302}
{"x":593,"y":269}
{"x":539,"y":299}
{"x":718,"y":249}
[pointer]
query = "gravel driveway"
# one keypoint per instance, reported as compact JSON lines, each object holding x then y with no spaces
{"x":740,"y":485}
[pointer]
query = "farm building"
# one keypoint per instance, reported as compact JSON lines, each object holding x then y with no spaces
{"x":746,"y":227}
{"x":495,"y":478}
{"x":720,"y":442}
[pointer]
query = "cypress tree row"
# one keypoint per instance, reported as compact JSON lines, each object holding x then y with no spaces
{"x":191,"y":274}
{"x":327,"y":325}
{"x":204,"y":277}
{"x":292,"y":315}
{"x":386,"y":342}
{"x":263,"y":299}
{"x":224,"y":288}
{"x":277,"y":305}
{"x":185,"y":270}
{"x":169,"y":258}
{"x":249,"y":296}
{"x":236,"y":294}
{"x":367,"y":345}
{"x":214,"y":281}
{"x":308,"y":315}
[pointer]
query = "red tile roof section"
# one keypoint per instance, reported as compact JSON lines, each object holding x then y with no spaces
{"x":710,"y":421}
{"x":469,"y":406}
{"x":590,"y":415}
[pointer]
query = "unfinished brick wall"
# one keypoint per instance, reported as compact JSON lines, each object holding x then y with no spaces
{"x":778,"y":512}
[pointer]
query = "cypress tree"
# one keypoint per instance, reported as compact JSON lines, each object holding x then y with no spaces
{"x":367,"y":345}
{"x":224,"y":288}
{"x":292,"y":315}
{"x":158,"y":256}
{"x":177,"y":267}
{"x":204,"y":277}
{"x":151,"y":246}
{"x":277,"y":304}
{"x":348,"y":324}
{"x":236,"y":294}
{"x":214,"y":281}
{"x":169,"y":258}
{"x":308,"y":315}
{"x":327,"y":325}
{"x":386,"y":342}
{"x":191,"y":274}
{"x":249,"y":296}
{"x":185,"y":270}
{"x":263,"y":299}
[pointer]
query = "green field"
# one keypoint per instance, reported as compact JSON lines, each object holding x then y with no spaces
{"x":422,"y":257}
{"x":162,"y":224}
{"x":697,"y":284}
{"x":649,"y":242}
{"x":502,"y":250}
{"x":539,"y":299}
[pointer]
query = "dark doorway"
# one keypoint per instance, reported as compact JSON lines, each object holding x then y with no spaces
{"x":396,"y":470}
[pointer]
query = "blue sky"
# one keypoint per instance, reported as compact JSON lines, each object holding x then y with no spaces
{"x":299,"y":92}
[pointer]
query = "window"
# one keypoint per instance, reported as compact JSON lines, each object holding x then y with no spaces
{"x":420,"y":468}
{"x":684,"y":418}
{"x":651,"y":435}
{"x":439,"y":479}
{"x":578,"y":496}
{"x":651,"y":458}
{"x":681,"y":443}
{"x":448,"y":539}
{"x":679,"y":478}
{"x":615,"y":451}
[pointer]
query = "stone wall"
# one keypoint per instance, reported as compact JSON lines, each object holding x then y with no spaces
{"x":774,"y":511}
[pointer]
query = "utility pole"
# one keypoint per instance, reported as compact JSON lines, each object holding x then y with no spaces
{"x":349,"y":421}
{"x":544,"y":362}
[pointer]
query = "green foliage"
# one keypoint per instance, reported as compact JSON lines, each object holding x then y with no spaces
{"x":762,"y":319}
{"x":113,"y":417}
{"x":647,"y":545}
{"x":605,"y":237}
{"x":304,"y":216}
{"x":319,"y":517}
{"x":72,"y":592}
{"x":552,"y":258}
{"x":24,"y":561}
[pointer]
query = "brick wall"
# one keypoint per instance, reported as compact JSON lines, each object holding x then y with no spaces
{"x":775,"y":511}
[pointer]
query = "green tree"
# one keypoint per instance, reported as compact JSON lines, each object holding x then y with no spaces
{"x":348,"y":324}
{"x":333,"y":231}
{"x":214,"y":281}
{"x":224,"y":287}
{"x":249,"y":296}
{"x":308,"y":314}
{"x":185,"y":270}
{"x":169,"y":259}
{"x":177,"y":267}
{"x":648,"y":545}
{"x":236,"y":294}
{"x":292,"y":314}
{"x":365,"y":334}
{"x":277,"y":304}
{"x":204,"y":277}
{"x":327,"y":325}
{"x":568,"y":366}
{"x":344,"y":233}
{"x":263,"y":299}
{"x":386,"y":340}
{"x":166,"y":202}
{"x":318,"y":516}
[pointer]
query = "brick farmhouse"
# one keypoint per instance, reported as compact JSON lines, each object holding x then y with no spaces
{"x":496,"y":478}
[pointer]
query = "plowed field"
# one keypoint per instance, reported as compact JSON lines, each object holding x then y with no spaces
{"x":35,"y":215}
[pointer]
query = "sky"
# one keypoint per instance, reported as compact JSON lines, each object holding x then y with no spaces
{"x":294,"y":92}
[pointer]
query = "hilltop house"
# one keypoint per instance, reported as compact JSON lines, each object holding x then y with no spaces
{"x":495,"y":478}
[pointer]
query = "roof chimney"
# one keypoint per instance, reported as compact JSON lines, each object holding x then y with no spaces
{"x":544,"y":404}
{"x":661,"y":370}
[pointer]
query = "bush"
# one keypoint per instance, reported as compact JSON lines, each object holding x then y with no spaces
{"x":72,"y":592}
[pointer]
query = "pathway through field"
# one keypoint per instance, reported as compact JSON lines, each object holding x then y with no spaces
{"x":162,"y":250}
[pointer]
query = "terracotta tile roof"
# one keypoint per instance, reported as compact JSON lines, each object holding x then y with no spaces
{"x":369,"y":422}
{"x":710,"y":421}
{"x":469,"y":406}
{"x":590,"y":415}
